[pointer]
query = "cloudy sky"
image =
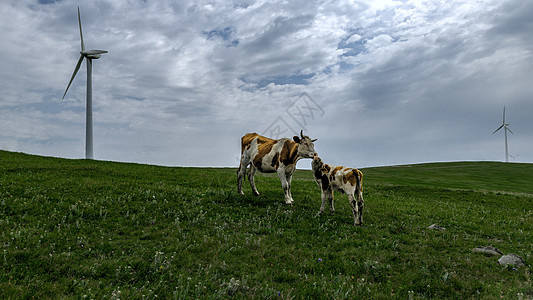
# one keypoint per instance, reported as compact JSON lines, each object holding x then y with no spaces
{"x":376,"y":82}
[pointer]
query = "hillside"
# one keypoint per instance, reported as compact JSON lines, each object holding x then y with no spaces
{"x":479,"y":176}
{"x":74,"y":228}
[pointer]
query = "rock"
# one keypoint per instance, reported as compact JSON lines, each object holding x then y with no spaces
{"x":488,"y":250}
{"x":436,"y":227}
{"x":511,"y":259}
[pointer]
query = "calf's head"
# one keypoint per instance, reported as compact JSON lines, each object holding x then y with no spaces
{"x":306,"y":148}
{"x":317,"y":163}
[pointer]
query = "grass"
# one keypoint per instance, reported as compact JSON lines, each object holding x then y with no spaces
{"x":104,"y":230}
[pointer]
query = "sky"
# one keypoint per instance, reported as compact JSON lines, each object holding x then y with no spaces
{"x":376,"y":82}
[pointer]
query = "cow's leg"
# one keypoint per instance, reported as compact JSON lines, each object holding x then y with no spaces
{"x":289,"y":181}
{"x":241,"y":172}
{"x":251,"y":179}
{"x":355,"y":209}
{"x":285,"y":185}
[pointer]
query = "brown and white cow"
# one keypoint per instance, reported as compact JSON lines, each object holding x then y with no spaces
{"x":268,"y":156}
{"x":345,"y":180}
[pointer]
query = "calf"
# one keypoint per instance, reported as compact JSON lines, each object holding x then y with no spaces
{"x":345,"y":180}
{"x":269,"y":156}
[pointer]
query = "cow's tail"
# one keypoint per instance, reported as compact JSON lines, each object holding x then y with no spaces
{"x":244,"y":142}
{"x":359,"y":188}
{"x":240,"y":161}
{"x":242,"y":145}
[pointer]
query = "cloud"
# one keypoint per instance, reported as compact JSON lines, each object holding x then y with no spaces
{"x":398,"y":81}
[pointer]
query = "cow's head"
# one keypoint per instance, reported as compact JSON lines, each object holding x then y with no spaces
{"x":306,"y":148}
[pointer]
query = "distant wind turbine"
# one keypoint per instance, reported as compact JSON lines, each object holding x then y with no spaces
{"x":89,"y":55}
{"x":506,"y":127}
{"x":514,"y":157}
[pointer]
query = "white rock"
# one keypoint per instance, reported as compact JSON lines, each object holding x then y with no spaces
{"x":488,"y":250}
{"x":511,"y":259}
{"x":436,"y":227}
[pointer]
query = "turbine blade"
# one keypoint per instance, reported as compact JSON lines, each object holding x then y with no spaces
{"x":74,"y":74}
{"x":90,"y":52}
{"x":504,"y":115}
{"x":497,"y":129}
{"x":81,"y":34}
{"x":508,"y":129}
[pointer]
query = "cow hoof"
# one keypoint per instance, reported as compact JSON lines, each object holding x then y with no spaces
{"x":241,"y":193}
{"x":257,"y":194}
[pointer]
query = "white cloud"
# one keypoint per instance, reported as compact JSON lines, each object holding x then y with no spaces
{"x":399,"y":81}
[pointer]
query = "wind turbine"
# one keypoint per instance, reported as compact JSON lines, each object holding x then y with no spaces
{"x":506,"y":127}
{"x":89,"y":55}
{"x":514,"y":157}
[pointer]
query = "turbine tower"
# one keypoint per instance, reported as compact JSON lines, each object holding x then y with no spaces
{"x":506,"y":127}
{"x":89,"y":55}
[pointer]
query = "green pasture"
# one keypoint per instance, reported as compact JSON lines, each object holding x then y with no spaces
{"x":103,"y":230}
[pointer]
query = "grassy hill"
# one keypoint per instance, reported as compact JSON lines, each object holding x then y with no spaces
{"x":78,"y":228}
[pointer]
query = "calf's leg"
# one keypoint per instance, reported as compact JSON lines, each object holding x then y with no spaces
{"x":355,"y":209}
{"x":360,"y":206}
{"x":331,"y":205}
{"x":323,"y":196}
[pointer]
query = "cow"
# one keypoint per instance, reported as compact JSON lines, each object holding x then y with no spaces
{"x":345,"y":180}
{"x":268,"y":156}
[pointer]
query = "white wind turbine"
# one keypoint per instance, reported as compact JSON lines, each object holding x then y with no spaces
{"x":506,"y":127}
{"x":89,"y":55}
{"x":515,"y":156}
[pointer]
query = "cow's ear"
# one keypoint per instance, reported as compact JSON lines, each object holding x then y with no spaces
{"x":296,"y":139}
{"x":314,"y":140}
